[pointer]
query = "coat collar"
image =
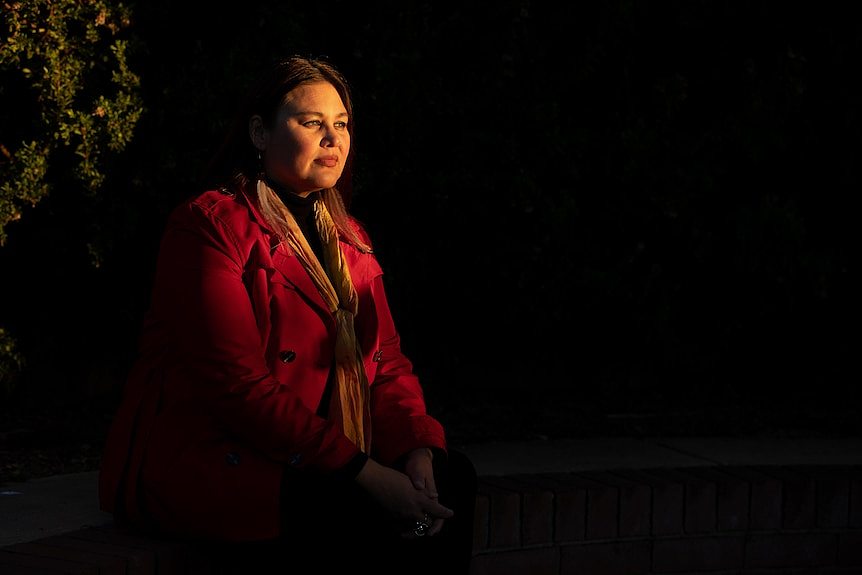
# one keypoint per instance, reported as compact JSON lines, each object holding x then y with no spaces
{"x":288,"y":265}
{"x":250,"y":198}
{"x":251,"y":201}
{"x":283,"y":259}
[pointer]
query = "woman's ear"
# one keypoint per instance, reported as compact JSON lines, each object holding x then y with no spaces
{"x":257,"y":132}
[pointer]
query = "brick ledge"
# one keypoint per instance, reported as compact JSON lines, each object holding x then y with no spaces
{"x":718,"y":519}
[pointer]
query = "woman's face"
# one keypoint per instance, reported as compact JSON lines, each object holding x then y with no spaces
{"x":306,"y":148}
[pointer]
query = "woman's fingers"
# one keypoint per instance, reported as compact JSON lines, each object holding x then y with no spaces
{"x":436,"y":510}
{"x":436,"y":527}
{"x":431,"y":522}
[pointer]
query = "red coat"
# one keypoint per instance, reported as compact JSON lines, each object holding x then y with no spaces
{"x":233,"y":359}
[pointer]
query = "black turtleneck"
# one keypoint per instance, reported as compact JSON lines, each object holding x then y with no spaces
{"x":302,"y":209}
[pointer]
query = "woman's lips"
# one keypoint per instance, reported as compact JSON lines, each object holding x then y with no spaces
{"x":328,"y":162}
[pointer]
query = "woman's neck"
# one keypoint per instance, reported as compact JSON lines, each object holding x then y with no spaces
{"x":288,"y":194}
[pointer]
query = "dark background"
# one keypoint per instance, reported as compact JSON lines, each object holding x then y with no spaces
{"x":595,"y":218}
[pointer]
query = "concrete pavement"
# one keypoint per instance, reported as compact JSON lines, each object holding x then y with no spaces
{"x":572,"y":455}
{"x":49,"y":506}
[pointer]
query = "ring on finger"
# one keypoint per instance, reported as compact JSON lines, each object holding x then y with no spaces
{"x":421,"y":527}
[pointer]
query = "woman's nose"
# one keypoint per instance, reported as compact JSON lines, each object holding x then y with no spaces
{"x":331,"y":138}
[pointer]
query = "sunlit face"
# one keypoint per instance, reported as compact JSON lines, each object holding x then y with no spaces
{"x":306,"y":148}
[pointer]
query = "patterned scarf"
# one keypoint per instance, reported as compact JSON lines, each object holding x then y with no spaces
{"x":350,"y":402}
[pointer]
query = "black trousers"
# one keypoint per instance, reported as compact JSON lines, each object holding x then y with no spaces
{"x":329,"y":524}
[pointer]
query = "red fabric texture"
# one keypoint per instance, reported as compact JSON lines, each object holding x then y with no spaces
{"x":234,"y":354}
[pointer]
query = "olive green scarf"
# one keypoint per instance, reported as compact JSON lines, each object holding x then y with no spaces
{"x":350,"y":403}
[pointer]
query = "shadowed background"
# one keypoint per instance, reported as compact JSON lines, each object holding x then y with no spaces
{"x":598,"y":218}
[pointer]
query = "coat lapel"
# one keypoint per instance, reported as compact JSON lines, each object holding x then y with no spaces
{"x":288,"y":265}
{"x":362,"y":268}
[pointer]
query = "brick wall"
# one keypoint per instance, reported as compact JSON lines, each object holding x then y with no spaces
{"x":718,"y":520}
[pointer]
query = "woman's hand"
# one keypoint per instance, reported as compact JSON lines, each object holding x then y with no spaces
{"x":419,"y":469}
{"x":397,"y":492}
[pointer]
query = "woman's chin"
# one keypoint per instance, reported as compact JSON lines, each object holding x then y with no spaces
{"x":322,"y":184}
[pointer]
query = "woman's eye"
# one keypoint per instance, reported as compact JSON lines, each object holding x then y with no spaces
{"x":316,"y":123}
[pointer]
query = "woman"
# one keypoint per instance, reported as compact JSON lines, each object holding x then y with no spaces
{"x":270,"y":401}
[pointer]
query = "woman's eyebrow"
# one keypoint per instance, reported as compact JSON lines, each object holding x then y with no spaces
{"x":308,"y":113}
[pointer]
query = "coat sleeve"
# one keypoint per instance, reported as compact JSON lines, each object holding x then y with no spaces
{"x":215,"y":346}
{"x":399,"y":420}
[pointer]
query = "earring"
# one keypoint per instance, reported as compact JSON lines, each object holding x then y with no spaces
{"x":260,"y":170}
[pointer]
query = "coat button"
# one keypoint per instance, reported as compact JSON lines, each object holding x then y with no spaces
{"x":377,"y":355}
{"x":287,"y":355}
{"x":232,"y":458}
